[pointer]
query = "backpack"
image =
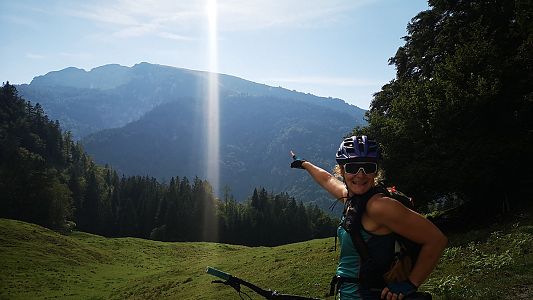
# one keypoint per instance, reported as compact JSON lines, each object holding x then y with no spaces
{"x":405,"y":252}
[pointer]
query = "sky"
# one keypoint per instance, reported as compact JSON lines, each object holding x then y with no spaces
{"x":330,"y":48}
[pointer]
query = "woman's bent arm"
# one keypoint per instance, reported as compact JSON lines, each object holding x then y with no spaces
{"x":413,"y":226}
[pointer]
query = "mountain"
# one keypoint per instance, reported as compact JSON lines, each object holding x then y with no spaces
{"x":112,"y":96}
{"x":256,"y":135}
{"x":149,"y":120}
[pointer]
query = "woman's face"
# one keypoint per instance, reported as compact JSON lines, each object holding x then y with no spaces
{"x":360,"y":182}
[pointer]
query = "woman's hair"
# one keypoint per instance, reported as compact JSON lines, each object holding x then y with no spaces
{"x":338,"y":170}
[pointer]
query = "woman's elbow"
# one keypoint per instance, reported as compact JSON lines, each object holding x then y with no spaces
{"x":442,"y":241}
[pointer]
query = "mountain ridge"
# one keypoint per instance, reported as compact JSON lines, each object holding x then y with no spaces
{"x":149,"y":120}
{"x":114,"y":78}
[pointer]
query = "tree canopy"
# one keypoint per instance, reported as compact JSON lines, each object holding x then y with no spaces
{"x":458,"y":115}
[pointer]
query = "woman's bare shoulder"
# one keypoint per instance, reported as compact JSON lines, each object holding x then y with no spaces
{"x":382,"y":206}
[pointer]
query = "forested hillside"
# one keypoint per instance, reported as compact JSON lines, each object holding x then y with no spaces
{"x":256,"y":136}
{"x":48,"y":179}
{"x":458,"y":117}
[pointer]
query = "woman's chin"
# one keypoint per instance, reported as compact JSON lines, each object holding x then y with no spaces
{"x":359,"y":189}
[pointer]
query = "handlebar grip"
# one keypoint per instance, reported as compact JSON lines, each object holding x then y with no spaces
{"x":218,"y":273}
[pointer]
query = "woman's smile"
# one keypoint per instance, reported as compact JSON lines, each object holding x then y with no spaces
{"x":359,"y":183}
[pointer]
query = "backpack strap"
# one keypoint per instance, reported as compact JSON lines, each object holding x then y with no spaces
{"x":353,"y":213}
{"x":360,"y":244}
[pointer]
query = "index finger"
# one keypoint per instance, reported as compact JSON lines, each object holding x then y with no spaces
{"x":384,"y":293}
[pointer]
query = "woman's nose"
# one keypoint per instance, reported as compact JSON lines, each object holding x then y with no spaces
{"x":360,"y":172}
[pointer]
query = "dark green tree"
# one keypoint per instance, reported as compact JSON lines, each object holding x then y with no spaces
{"x":32,"y":187}
{"x":457,"y":117}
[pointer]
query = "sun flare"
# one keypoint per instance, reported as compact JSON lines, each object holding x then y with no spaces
{"x":212,"y":111}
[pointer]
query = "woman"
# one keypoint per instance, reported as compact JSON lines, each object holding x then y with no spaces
{"x":382,"y":219}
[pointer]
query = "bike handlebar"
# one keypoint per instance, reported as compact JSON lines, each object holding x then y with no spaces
{"x":268,"y":294}
{"x":218,"y":273}
{"x":235,"y":283}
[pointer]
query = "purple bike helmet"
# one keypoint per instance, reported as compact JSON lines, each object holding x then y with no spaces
{"x":357,"y":148}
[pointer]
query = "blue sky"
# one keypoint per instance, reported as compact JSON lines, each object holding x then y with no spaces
{"x":329,"y":48}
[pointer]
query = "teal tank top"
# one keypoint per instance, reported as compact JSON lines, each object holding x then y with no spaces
{"x":349,"y":261}
{"x":381,"y":248}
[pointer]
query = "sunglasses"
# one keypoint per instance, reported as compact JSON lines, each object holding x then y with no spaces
{"x":355,"y":167}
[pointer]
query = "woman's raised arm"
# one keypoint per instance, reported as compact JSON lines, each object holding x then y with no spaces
{"x":325,"y":179}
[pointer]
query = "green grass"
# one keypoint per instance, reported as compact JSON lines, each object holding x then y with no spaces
{"x":490,"y":263}
{"x":37,"y":263}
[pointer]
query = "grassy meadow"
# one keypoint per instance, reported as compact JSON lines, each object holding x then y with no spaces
{"x":40,"y":263}
{"x":37,"y":263}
